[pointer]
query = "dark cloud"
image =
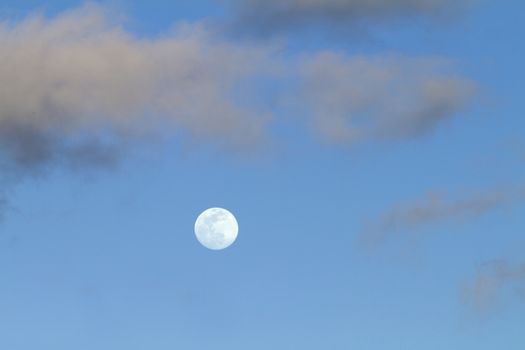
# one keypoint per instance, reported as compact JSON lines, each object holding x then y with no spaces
{"x":26,"y":150}
{"x":264,"y":17}
{"x":435,"y":209}
{"x":491,"y":282}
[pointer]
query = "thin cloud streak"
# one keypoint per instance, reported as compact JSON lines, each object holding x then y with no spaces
{"x":491,"y":281}
{"x":268,"y":17}
{"x":434,"y":209}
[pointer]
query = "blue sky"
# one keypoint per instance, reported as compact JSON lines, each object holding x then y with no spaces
{"x":101,"y":254}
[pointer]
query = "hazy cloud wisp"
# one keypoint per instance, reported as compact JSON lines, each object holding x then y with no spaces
{"x":491,"y":281}
{"x":434,"y":209}
{"x":266,"y":17}
{"x":354,"y":99}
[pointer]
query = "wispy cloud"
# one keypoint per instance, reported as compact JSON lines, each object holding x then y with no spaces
{"x":491,"y":282}
{"x":435,"y":209}
{"x":355,"y":99}
{"x":265,"y":17}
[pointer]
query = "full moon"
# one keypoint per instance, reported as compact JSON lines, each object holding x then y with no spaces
{"x":216,"y":228}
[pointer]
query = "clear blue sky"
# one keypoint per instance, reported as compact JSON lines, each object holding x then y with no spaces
{"x":107,"y":259}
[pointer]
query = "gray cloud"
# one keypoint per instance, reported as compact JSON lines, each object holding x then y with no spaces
{"x":78,"y":90}
{"x":27,"y":150}
{"x":354,"y":99}
{"x":80,"y":76}
{"x":434,"y":209}
{"x":83,"y":70}
{"x":77,"y":86}
{"x":265,"y":17}
{"x":491,"y":282}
